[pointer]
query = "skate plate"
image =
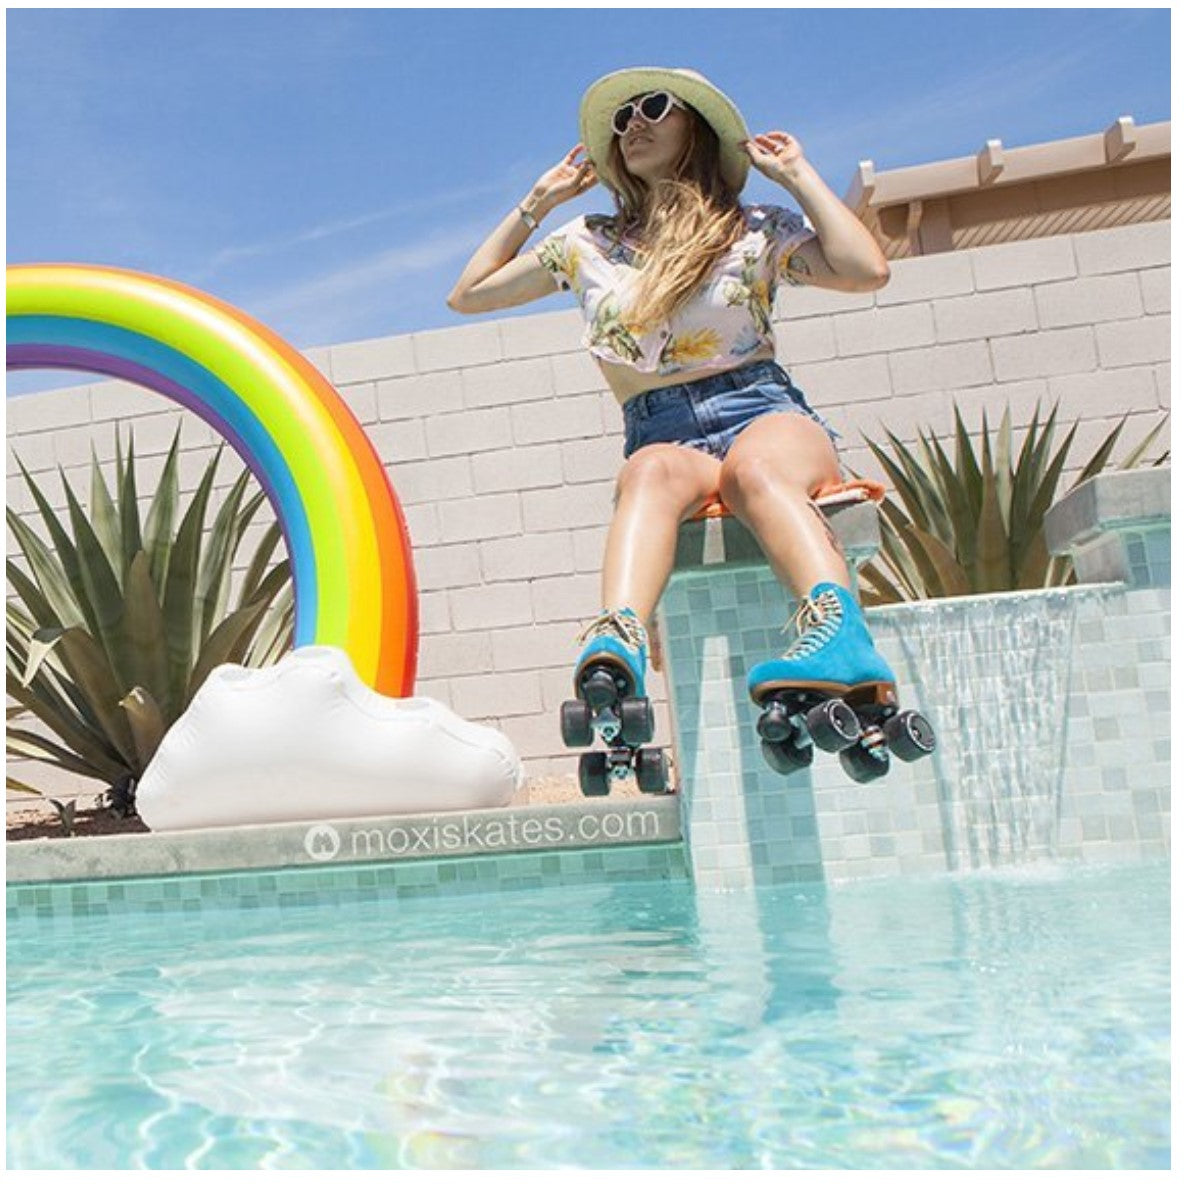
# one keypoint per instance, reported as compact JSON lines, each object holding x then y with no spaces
{"x":862,"y":724}
{"x":624,"y":724}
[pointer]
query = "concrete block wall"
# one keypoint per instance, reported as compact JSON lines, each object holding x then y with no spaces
{"x":503,"y":443}
{"x":1079,"y":319}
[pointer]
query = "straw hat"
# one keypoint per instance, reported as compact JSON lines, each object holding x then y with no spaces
{"x":611,"y":92}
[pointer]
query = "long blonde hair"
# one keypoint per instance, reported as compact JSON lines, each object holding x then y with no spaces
{"x":687,"y":222}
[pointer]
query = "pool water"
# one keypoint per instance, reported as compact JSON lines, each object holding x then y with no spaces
{"x":1015,"y":1019}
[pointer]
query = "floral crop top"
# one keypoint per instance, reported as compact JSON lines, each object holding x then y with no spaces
{"x":727,"y":321}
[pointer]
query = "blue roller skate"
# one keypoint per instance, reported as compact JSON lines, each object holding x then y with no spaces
{"x":609,"y":680}
{"x":833,"y":691}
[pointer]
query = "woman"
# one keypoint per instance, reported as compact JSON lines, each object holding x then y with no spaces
{"x":676,"y":291}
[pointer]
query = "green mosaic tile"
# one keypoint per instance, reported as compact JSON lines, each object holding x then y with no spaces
{"x":296,"y":888}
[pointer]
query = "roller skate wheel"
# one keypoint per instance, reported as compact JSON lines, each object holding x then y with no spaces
{"x":576,"y":724}
{"x":593,"y":775}
{"x":775,"y":723}
{"x":833,"y":725}
{"x":864,"y":765}
{"x":910,"y":736}
{"x":638,"y":721}
{"x":651,"y":771}
{"x":785,"y":757}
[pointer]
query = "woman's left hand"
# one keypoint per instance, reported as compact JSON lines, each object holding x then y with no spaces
{"x":776,"y":155}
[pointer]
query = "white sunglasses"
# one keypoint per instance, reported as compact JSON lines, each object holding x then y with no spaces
{"x":653,"y":108}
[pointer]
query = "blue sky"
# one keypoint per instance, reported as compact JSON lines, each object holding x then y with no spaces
{"x":330,"y":172}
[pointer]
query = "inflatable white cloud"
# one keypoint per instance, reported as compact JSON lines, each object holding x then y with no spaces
{"x":306,"y":739}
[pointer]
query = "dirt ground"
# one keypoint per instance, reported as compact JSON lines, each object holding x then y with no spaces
{"x":35,"y":819}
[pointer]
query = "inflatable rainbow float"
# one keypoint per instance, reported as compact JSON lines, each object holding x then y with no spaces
{"x":331,"y":731}
{"x":353,"y":580}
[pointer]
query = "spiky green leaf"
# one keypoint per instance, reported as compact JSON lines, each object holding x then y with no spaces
{"x":180,"y":584}
{"x":147,"y":722}
{"x":1026,"y":479}
{"x":1003,"y":463}
{"x":52,"y":581}
{"x":85,"y":739}
{"x":214,"y":575}
{"x":991,"y":566}
{"x":960,"y":521}
{"x":21,"y":743}
{"x":923,"y":484}
{"x":950,"y":576}
{"x":130,"y":535}
{"x":967,"y":468}
{"x":22,"y":788}
{"x":102,"y":592}
{"x":904,"y":486}
{"x":148,"y":666}
{"x":39,"y":607}
{"x":228,"y":644}
{"x":1031,"y":572}
{"x":60,"y":541}
{"x":104,"y":518}
{"x":260,"y":559}
{"x":1134,"y":457}
{"x":879,"y":589}
{"x":158,"y":524}
{"x":40,"y":646}
{"x":274,"y":638}
{"x":87,"y":665}
{"x":908,"y":533}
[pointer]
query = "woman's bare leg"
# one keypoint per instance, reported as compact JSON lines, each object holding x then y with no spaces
{"x":767,"y":481}
{"x":659,"y":487}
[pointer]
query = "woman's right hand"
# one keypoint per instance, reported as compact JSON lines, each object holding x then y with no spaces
{"x":568,"y":179}
{"x":497,"y":276}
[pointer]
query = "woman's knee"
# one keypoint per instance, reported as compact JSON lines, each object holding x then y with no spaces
{"x":667,"y":473}
{"x":752,"y":477}
{"x":778,"y":460}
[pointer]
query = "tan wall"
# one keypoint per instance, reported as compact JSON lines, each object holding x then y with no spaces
{"x":502,"y":443}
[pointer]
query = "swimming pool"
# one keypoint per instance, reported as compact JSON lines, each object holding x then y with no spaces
{"x":1011,"y":1019}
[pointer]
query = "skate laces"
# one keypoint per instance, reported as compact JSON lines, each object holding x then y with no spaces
{"x":816,"y":623}
{"x":618,"y":623}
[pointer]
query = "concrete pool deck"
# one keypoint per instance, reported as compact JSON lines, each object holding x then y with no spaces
{"x":278,"y":865}
{"x":548,"y":827}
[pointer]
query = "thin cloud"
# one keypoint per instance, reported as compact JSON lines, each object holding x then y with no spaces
{"x":319,"y":303}
{"x":329,"y":230}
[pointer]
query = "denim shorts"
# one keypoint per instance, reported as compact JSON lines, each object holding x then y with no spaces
{"x":710,"y":413}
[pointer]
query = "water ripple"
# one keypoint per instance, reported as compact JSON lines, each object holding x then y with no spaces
{"x":972,"y":1022}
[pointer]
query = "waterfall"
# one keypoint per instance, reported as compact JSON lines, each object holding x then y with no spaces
{"x":995,"y":673}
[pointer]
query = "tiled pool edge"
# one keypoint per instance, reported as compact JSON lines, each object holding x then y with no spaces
{"x":397,"y":857}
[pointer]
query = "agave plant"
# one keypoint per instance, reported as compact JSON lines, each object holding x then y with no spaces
{"x":116,"y":622}
{"x":975,"y":525}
